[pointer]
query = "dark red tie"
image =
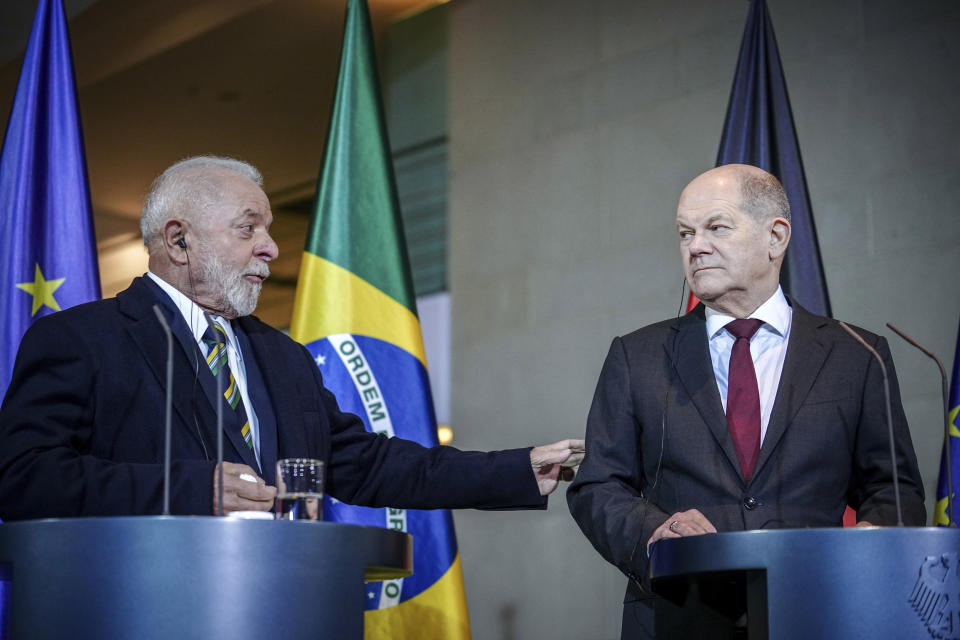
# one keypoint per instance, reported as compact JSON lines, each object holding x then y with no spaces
{"x":743,"y":396}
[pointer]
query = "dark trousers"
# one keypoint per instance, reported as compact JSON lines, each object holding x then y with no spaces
{"x":657,"y":618}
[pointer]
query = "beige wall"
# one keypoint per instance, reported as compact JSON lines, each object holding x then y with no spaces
{"x":573,"y":127}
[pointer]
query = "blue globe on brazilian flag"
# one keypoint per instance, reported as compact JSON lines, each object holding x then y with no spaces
{"x":355,"y":311}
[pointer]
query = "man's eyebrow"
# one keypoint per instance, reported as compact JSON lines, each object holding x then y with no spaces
{"x":715,"y":217}
{"x":246,"y":214}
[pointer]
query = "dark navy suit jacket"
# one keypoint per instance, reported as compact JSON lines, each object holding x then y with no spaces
{"x":81,"y":426}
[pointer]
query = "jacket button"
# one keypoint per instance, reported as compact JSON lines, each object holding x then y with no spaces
{"x":750,"y":503}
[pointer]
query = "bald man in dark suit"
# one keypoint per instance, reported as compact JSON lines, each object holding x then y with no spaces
{"x":747,"y":413}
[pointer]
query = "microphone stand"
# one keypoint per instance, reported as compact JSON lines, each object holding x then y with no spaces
{"x":951,"y":518}
{"x":167,"y":407}
{"x":886,"y":392}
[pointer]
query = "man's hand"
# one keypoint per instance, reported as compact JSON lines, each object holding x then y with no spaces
{"x":680,"y":524}
{"x":243,"y":489}
{"x":555,"y":462}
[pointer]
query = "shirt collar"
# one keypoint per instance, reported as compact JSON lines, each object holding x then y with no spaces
{"x":190,"y":310}
{"x":775,"y":313}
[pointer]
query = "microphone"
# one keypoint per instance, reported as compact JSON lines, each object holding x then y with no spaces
{"x":166,"y":410}
{"x":683,"y":297}
{"x":206,"y":316}
{"x":886,"y":393}
{"x":951,"y":519}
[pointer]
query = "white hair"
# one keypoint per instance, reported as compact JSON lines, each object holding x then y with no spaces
{"x":187,"y":186}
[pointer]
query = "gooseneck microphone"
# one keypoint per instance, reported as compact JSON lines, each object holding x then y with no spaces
{"x":168,"y":404}
{"x":220,"y":387}
{"x":886,"y":393}
{"x":951,"y":519}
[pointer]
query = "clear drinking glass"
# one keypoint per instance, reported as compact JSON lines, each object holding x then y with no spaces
{"x":299,"y":489}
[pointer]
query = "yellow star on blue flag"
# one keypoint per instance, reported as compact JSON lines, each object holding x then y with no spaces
{"x":42,"y":291}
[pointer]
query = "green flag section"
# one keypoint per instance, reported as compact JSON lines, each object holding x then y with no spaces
{"x":355,"y":312}
{"x":950,"y":474}
{"x":357,"y":175}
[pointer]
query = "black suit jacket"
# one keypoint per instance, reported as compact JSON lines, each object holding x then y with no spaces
{"x":81,"y":427}
{"x":658,"y":442}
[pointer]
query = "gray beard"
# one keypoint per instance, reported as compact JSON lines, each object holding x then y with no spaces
{"x":230,"y":291}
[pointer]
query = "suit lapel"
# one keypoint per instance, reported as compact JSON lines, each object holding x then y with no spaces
{"x":136,"y":302}
{"x":261,"y":399}
{"x":691,"y":359}
{"x":190,"y":366}
{"x":282,"y":387}
{"x":805,"y":357}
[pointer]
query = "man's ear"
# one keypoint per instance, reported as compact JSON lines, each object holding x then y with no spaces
{"x":779,"y":237}
{"x":173,"y":241}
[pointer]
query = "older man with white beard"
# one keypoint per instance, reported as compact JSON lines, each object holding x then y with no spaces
{"x":82,"y":421}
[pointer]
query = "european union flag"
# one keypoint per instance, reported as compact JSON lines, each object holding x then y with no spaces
{"x":941,"y":517}
{"x":48,"y":258}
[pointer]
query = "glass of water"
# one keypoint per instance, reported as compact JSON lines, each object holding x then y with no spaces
{"x":299,"y":489}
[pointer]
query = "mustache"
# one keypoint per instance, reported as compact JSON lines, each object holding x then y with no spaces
{"x":261,"y":270}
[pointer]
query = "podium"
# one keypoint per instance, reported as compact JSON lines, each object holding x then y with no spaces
{"x":820,"y":583}
{"x":193,"y":577}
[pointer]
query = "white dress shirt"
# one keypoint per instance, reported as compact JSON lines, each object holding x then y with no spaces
{"x":193,"y":314}
{"x":768,"y":348}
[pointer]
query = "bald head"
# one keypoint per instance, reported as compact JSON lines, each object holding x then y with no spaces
{"x":734,"y":227}
{"x":761,"y":194}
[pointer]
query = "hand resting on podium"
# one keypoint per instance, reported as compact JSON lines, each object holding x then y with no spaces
{"x":243,"y":489}
{"x":694,"y":523}
{"x":680,"y":524}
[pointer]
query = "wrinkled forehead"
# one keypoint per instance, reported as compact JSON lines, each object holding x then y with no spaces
{"x":225,"y":192}
{"x":230,"y":184}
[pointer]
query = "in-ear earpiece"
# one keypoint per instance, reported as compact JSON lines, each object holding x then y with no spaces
{"x":182,"y":243}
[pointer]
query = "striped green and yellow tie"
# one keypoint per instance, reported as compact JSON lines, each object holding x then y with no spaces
{"x":215,"y":338}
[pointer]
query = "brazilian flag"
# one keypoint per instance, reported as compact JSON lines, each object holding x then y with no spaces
{"x":355,"y":311}
{"x":940,"y":517}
